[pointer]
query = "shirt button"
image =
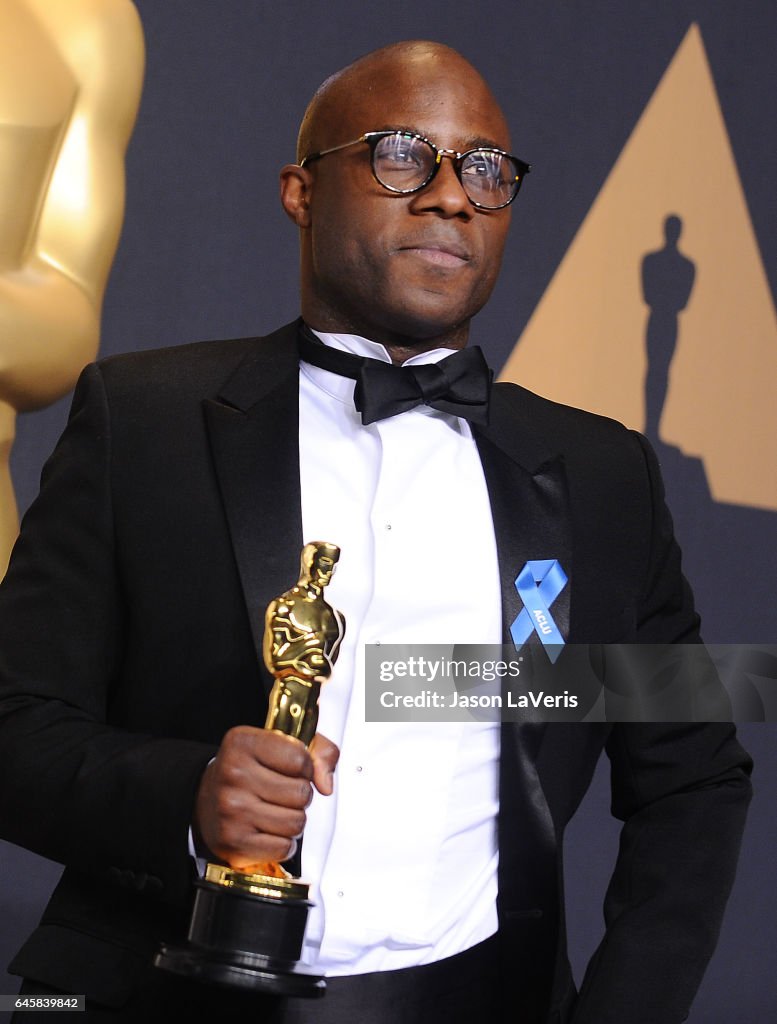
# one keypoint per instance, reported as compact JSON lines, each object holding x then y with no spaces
{"x":388,"y":526}
{"x":340,"y":893}
{"x":359,"y":768}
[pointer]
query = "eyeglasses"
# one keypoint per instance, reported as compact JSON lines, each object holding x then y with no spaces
{"x":405,"y":162}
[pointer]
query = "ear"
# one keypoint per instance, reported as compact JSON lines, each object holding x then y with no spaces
{"x":296,"y":186}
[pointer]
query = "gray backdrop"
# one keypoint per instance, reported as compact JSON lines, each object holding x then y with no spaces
{"x":206,"y":252}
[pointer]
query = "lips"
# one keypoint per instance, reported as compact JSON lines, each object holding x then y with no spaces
{"x":443,"y":252}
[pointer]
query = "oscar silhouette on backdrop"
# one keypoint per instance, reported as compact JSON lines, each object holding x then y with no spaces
{"x":70,"y":81}
{"x":667,"y":283}
{"x":702,"y":524}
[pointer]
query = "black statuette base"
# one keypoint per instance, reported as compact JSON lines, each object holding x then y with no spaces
{"x":228,"y":928}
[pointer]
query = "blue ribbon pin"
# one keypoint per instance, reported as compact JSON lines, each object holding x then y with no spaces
{"x":538,"y":584}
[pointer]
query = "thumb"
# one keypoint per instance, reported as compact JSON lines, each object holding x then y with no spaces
{"x":325,"y":755}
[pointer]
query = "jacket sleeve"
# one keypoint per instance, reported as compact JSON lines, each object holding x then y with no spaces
{"x":682,"y":792}
{"x":73,"y":786}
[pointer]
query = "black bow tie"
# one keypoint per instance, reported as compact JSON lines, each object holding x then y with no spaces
{"x":459,"y":384}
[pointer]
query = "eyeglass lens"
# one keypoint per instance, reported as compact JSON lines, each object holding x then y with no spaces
{"x":404,"y":163}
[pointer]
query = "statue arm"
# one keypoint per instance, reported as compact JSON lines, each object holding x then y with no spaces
{"x":647,"y":280}
{"x":50,"y":301}
{"x":269,"y":643}
{"x":291,"y":646}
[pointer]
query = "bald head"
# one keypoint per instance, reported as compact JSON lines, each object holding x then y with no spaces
{"x":397,"y":66}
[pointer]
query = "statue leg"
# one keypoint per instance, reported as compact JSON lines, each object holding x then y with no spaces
{"x":294,"y":707}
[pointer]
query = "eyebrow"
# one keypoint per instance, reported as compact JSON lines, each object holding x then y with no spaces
{"x":479,"y":142}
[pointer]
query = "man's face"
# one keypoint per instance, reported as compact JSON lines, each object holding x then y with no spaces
{"x":403,"y":268}
{"x":321,"y":568}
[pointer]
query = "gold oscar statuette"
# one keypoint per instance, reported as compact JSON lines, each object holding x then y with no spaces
{"x":248,"y":926}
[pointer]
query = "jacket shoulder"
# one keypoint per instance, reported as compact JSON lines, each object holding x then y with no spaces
{"x":200,"y":366}
{"x":536,"y":429}
{"x":559,"y":420}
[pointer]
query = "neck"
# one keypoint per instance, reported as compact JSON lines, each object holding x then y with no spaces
{"x":400,"y":352}
{"x":400,"y":346}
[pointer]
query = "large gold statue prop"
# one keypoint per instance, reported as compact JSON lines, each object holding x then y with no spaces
{"x":70,"y":78}
{"x":248,"y":926}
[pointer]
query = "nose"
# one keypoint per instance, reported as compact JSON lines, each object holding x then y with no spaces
{"x":444,"y":194}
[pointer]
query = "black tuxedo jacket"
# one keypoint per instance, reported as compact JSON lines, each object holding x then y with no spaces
{"x":130,"y":627}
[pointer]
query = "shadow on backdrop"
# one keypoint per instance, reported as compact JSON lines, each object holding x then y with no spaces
{"x":667,"y":283}
{"x":720,"y":541}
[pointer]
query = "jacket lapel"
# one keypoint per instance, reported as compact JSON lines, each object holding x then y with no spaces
{"x":529,"y":502}
{"x":253,"y":428}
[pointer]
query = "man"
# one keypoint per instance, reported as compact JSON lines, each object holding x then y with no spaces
{"x":183,"y":489}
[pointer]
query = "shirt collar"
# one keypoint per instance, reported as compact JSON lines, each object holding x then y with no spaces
{"x":342,"y":388}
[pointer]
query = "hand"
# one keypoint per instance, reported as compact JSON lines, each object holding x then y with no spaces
{"x":251,"y":803}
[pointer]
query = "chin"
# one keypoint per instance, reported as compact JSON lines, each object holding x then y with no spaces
{"x":421,"y":331}
{"x":428,"y":323}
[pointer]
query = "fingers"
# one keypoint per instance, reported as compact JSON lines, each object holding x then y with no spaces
{"x":325,"y":755}
{"x":252,"y":798}
{"x":251,"y":802}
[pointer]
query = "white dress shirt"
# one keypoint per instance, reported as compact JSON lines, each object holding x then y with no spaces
{"x":403,"y":856}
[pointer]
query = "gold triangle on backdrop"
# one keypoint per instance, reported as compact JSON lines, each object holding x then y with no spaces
{"x":585,"y":343}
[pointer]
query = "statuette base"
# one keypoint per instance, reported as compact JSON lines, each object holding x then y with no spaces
{"x":230,"y":919}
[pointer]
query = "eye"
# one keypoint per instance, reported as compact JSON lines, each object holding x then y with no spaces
{"x":402,"y":151}
{"x":485,"y":165}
